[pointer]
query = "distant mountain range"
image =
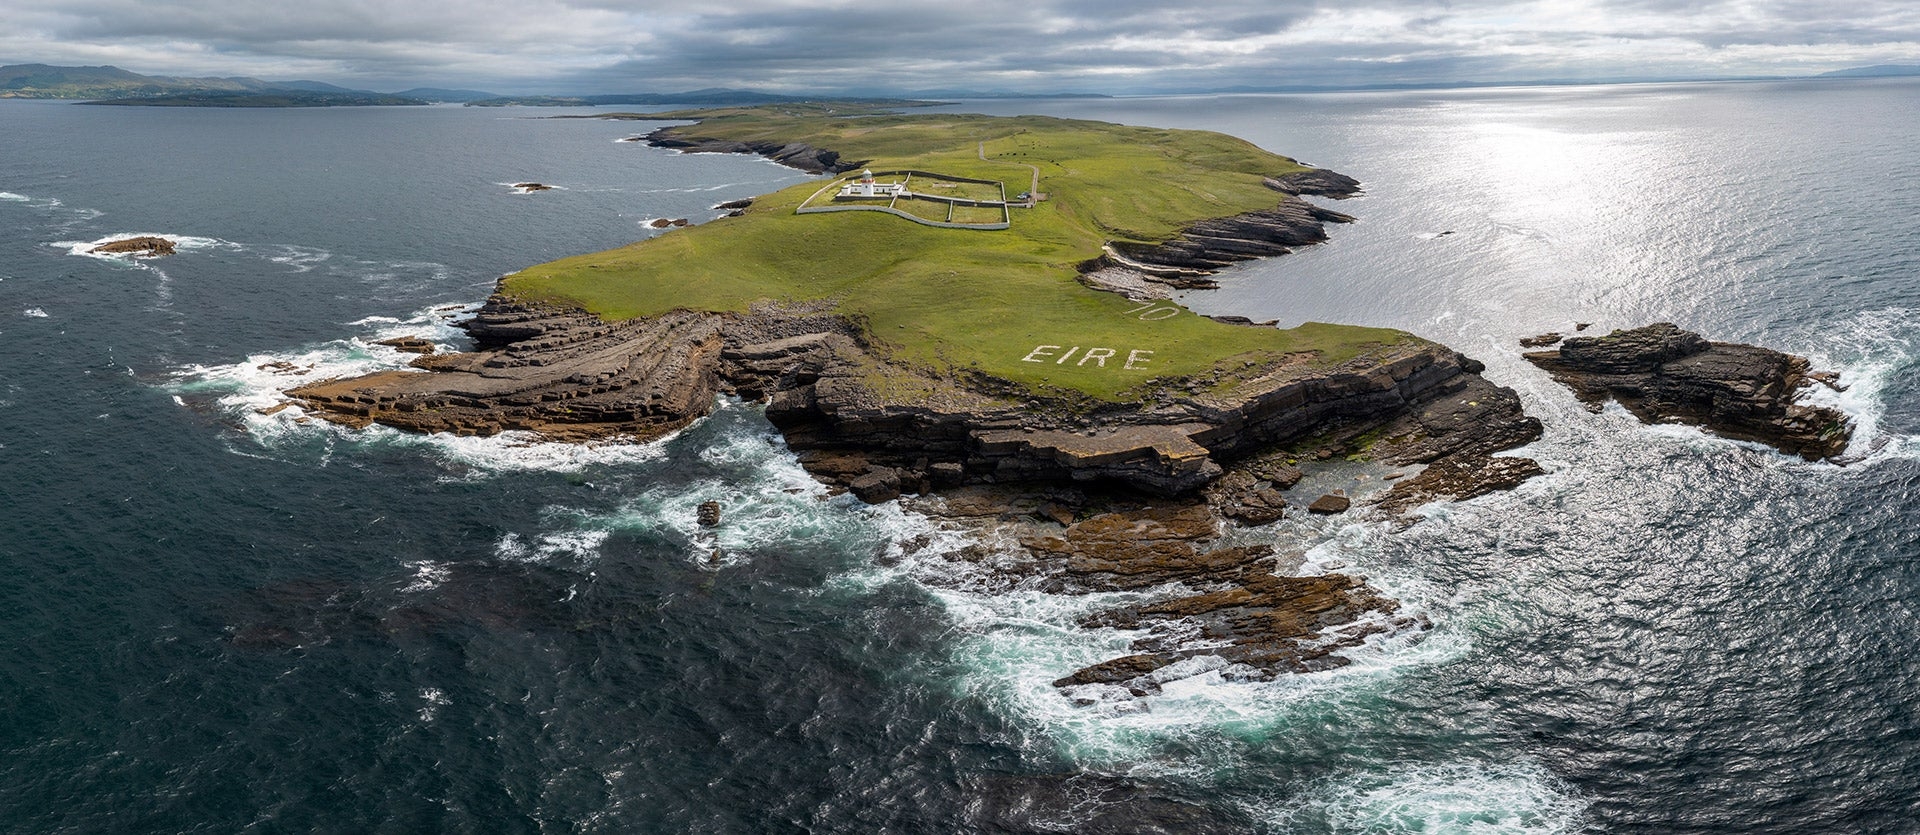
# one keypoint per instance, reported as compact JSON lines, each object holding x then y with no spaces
{"x":1877,"y":71}
{"x":712,"y":96}
{"x":113,"y":85}
{"x":268,"y":98}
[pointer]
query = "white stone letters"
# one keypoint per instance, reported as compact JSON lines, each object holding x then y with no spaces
{"x":1136,"y":358}
{"x":1153,"y":312}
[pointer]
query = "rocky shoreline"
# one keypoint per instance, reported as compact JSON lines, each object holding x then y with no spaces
{"x":1100,"y":496}
{"x":1099,"y":500}
{"x":795,"y":154}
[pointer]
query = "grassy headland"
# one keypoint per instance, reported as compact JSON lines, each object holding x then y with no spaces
{"x":947,"y":299}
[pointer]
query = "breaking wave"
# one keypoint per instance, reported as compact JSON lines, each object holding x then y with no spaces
{"x":1874,"y":353}
{"x":1515,"y":796}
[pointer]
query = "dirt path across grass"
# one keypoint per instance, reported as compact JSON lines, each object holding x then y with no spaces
{"x":1033,"y":192}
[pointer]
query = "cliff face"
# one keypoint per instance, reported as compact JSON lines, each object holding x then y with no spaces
{"x":797,"y":154}
{"x":883,"y":429}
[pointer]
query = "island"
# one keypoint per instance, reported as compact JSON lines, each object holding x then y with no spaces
{"x":140,"y":246}
{"x":977,"y":312}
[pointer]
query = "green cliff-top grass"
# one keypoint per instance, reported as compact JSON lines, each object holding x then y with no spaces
{"x":950,"y":299}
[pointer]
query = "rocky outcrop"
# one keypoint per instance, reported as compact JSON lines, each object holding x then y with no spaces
{"x":1318,"y":182}
{"x":564,"y":374}
{"x":1231,"y":610}
{"x":1143,"y":271}
{"x":1330,"y":504}
{"x":527,"y":188}
{"x":568,"y":374}
{"x":145,"y":246}
{"x":1210,"y":245}
{"x":1245,"y":615}
{"x":408,"y":344}
{"x":1459,"y":478}
{"x":1663,"y":374}
{"x":797,"y":154}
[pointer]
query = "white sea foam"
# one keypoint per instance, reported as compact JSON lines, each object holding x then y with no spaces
{"x":34,"y":313}
{"x":1873,"y":353}
{"x":1514,"y":795}
{"x":1011,"y":644}
{"x":577,"y":545}
{"x":10,"y":197}
{"x":427,"y":575}
{"x":768,"y":503}
{"x":300,"y":258}
{"x":432,"y":700}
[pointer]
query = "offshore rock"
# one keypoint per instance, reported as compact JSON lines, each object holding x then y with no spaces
{"x":1225,"y":609}
{"x":1460,"y":478}
{"x":145,"y":246}
{"x":408,"y":344}
{"x":1329,"y":504}
{"x":1663,"y":374}
{"x":1242,"y":619}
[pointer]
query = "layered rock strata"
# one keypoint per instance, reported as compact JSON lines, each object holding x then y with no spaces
{"x":1200,"y":250}
{"x":796,"y":154}
{"x":568,"y":374}
{"x":1663,"y":374}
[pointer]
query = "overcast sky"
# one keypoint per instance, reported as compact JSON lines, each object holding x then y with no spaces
{"x":1113,"y":46}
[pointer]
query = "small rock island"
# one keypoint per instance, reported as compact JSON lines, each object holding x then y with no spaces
{"x":1033,"y":374}
{"x":1663,"y":374}
{"x":144,"y":246}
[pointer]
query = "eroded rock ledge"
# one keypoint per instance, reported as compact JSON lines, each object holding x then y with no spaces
{"x":796,"y":154}
{"x":1140,"y":493}
{"x":883,"y":429}
{"x":1663,"y":374}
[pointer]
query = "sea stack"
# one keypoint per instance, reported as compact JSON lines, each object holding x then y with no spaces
{"x":1663,"y":374}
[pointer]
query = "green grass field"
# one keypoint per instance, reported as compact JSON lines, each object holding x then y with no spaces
{"x":946,"y":299}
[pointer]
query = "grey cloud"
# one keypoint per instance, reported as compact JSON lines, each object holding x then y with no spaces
{"x":823,"y":45}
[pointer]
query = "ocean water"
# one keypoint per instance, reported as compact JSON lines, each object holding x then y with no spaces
{"x":220,"y":620}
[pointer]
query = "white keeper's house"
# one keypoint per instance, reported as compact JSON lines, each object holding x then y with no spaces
{"x":865,"y":187}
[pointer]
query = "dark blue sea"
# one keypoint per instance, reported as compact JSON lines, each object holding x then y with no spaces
{"x":222,"y":618}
